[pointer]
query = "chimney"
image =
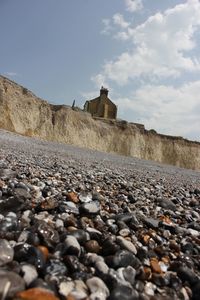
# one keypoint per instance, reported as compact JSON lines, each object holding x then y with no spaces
{"x":104,"y":91}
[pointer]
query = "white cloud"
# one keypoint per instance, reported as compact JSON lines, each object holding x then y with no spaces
{"x":118,"y":19}
{"x":161,"y":46}
{"x":133,"y":5}
{"x":99,"y":80}
{"x":167,"y":109}
{"x":122,"y":35}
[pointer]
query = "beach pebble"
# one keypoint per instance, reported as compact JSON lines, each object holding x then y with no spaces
{"x":6,"y":252}
{"x":72,"y":245}
{"x":97,"y":288}
{"x":10,"y":283}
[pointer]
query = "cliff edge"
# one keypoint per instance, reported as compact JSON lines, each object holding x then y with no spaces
{"x":24,"y":113}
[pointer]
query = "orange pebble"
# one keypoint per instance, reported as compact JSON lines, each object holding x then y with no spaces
{"x":36,"y":294}
{"x":44,"y":250}
{"x":70,"y":297}
{"x":146,"y":238}
{"x":72,"y":196}
{"x":155,"y":265}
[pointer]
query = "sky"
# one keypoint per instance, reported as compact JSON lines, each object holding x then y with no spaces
{"x":146,"y":52}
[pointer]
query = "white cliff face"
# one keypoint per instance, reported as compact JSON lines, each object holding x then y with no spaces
{"x":22,"y":112}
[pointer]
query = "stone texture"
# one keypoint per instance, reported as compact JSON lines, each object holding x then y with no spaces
{"x":125,"y":250}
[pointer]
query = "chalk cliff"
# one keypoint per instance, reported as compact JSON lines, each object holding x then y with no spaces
{"x":24,"y":113}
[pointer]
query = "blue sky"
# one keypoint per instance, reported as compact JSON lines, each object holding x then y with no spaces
{"x":145,"y":51}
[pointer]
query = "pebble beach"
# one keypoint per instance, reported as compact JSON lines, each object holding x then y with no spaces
{"x":78,"y":224}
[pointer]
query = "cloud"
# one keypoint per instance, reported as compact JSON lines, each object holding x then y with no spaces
{"x":118,"y":19}
{"x":167,"y":109}
{"x":162,"y":54}
{"x":160,"y":46}
{"x":133,"y":5}
{"x":99,"y":80}
{"x":121,"y":35}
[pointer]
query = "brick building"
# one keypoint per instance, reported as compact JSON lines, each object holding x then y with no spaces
{"x":101,"y":106}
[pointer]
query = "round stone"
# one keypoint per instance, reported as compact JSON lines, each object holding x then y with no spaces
{"x":72,"y":245}
{"x":101,"y":267}
{"x":123,"y":258}
{"x":150,"y":289}
{"x":47,"y":233}
{"x":66,"y":287}
{"x":6,"y":252}
{"x":81,"y":235}
{"x":127,"y":245}
{"x":97,"y":288}
{"x":91,"y":208}
{"x":129,"y":274}
{"x":123,"y":292}
{"x":10,"y":283}
{"x":124,"y":232}
{"x":92,"y":246}
{"x":30,"y":273}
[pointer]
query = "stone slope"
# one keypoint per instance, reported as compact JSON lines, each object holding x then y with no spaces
{"x":24,"y":113}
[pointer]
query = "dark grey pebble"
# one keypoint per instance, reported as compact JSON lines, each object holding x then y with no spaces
{"x":73,"y":264}
{"x":47,"y":233}
{"x":123,"y":258}
{"x":197,"y":191}
{"x":29,"y":254}
{"x":81,"y":235}
{"x":127,"y":217}
{"x":152,"y":223}
{"x":167,"y":204}
{"x":110,"y":246}
{"x":11,"y":204}
{"x":123,"y":293}
{"x":131,"y":198}
{"x":159,"y":280}
{"x":196,"y":291}
{"x":142,"y":253}
{"x":186,"y":274}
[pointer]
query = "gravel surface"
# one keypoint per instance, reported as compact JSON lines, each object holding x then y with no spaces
{"x":82,"y":224}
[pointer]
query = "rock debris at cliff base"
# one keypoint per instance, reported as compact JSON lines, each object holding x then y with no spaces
{"x":80,"y":224}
